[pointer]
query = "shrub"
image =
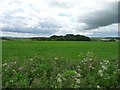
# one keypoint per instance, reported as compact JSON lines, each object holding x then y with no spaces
{"x":57,"y":72}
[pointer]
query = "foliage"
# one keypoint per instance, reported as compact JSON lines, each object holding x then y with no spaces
{"x":58,"y":72}
{"x":68,"y":37}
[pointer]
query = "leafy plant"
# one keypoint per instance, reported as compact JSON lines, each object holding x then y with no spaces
{"x":58,"y":72}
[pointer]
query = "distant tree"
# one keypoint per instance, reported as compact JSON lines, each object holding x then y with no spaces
{"x":67,"y":37}
{"x":54,"y":37}
{"x":70,"y":37}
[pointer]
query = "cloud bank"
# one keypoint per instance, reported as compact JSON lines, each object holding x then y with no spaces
{"x":48,"y":17}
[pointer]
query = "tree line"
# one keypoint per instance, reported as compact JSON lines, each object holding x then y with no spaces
{"x":68,"y":37}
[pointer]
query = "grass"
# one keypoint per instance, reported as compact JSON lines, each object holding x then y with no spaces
{"x":48,"y":64}
{"x":74,"y":50}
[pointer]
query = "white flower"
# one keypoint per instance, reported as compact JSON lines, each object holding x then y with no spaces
{"x":64,"y":78}
{"x":11,"y":80}
{"x":56,"y":58}
{"x":20,"y":68}
{"x":90,"y":59}
{"x":106,"y":61}
{"x":59,"y":75}
{"x":84,"y":63}
{"x":59,"y":80}
{"x":101,"y":63}
{"x":91,"y":67}
{"x":14,"y":70}
{"x":100,"y":72}
{"x":98,"y":86}
{"x":77,"y":80}
{"x":104,"y":67}
{"x":75,"y":72}
{"x":78,"y":75}
{"x":5,"y":64}
{"x":31,"y":59}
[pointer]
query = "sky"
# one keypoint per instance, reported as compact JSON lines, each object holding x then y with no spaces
{"x":42,"y":18}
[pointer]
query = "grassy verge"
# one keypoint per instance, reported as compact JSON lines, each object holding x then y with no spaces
{"x":58,"y":72}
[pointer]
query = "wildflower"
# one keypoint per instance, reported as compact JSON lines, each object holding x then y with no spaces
{"x":100,"y":72}
{"x":82,"y":61}
{"x":90,"y":59}
{"x":14,"y":70}
{"x":59,"y":75}
{"x":79,"y":70}
{"x":5,"y":64}
{"x":104,"y":67}
{"x":11,"y":81}
{"x":91,"y":67}
{"x":75,"y":72}
{"x":64,"y":79}
{"x":20,"y":68}
{"x":56,"y":58}
{"x":15,"y":62}
{"x":78,"y":75}
{"x":101,"y":63}
{"x":77,"y":80}
{"x":31,"y":59}
{"x":107,"y":61}
{"x":98,"y":86}
{"x":59,"y":80}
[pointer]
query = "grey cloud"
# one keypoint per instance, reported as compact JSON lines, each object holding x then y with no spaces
{"x":106,"y":16}
{"x":119,"y":11}
{"x":49,"y":26}
{"x":13,"y":21}
{"x":46,"y":31}
{"x":105,"y":34}
{"x":49,"y":23}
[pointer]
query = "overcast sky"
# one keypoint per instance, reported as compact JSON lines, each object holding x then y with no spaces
{"x":48,"y":17}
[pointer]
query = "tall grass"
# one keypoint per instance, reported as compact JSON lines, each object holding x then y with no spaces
{"x":58,"y":72}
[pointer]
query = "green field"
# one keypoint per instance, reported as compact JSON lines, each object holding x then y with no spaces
{"x":60,"y":64}
{"x":69,"y":49}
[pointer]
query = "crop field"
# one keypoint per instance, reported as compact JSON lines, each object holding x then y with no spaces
{"x":60,"y":64}
{"x":73,"y":49}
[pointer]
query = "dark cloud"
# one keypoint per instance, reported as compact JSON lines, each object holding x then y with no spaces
{"x":45,"y":31}
{"x":119,"y":11}
{"x":17,"y":25}
{"x":13,"y":21}
{"x":106,"y":16}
